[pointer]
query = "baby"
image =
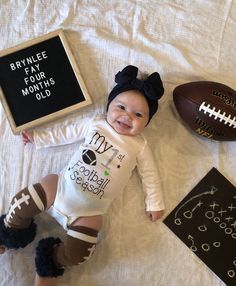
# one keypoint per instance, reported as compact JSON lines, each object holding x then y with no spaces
{"x":80,"y":195}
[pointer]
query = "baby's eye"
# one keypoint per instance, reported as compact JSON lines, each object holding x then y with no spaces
{"x":138,"y":114}
{"x":121,"y":107}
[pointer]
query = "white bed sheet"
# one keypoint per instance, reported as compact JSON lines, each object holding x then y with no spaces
{"x":184,"y":41}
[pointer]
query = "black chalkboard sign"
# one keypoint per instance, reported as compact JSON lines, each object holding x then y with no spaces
{"x":205,"y":220}
{"x":40,"y":81}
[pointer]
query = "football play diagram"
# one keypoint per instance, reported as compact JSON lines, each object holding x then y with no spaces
{"x":205,"y":220}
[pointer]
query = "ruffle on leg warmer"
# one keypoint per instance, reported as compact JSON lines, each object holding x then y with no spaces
{"x":15,"y":238}
{"x":45,"y":265}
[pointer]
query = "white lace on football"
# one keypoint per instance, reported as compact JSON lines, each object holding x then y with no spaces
{"x":211,"y":111}
{"x":16,"y":205}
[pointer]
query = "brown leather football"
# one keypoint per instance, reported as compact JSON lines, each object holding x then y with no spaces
{"x":208,"y":108}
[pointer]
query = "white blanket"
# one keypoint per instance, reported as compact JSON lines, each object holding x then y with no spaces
{"x":182,"y":40}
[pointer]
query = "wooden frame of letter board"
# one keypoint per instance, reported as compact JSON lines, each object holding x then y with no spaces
{"x":55,"y":115}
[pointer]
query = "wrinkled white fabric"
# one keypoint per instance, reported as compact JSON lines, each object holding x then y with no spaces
{"x":183,"y":41}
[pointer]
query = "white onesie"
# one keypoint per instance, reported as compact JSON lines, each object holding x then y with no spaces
{"x":100,"y":168}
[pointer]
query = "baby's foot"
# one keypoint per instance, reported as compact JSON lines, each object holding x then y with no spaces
{"x":2,"y":249}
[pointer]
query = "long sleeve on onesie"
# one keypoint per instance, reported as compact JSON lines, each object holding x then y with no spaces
{"x":102,"y":166}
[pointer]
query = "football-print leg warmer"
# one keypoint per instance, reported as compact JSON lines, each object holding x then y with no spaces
{"x":17,"y":228}
{"x":52,"y":255}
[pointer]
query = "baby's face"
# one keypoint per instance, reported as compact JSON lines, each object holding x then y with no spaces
{"x":128,"y":113}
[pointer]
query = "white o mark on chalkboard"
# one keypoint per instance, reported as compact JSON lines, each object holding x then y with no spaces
{"x":228,"y":230}
{"x":231,"y":273}
{"x":233,"y":235}
{"x":216,"y":244}
{"x":188,"y":214}
{"x":178,"y":221}
{"x":234,"y":262}
{"x":193,"y":248}
{"x":223,"y":225}
{"x":216,"y":219}
{"x":205,"y":247}
{"x":202,"y":228}
{"x":209,"y":214}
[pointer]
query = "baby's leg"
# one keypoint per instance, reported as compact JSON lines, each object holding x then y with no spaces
{"x":45,"y":281}
{"x":49,"y":184}
{"x":2,"y":249}
{"x":52,"y":255}
{"x":17,"y":228}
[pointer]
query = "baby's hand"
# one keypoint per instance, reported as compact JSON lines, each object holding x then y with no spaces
{"x":154,"y":215}
{"x":27,"y":137}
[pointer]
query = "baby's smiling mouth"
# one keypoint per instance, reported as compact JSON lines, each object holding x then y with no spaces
{"x":123,"y":125}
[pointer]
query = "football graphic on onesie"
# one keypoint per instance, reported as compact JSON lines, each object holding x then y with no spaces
{"x":89,"y":157}
{"x":208,"y":108}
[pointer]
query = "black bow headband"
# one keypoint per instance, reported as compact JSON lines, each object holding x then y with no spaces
{"x":152,"y":87}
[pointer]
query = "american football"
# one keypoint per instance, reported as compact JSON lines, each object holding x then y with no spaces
{"x":208,"y":108}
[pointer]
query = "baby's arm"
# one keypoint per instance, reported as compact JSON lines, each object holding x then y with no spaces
{"x":63,"y":134}
{"x":149,"y":174}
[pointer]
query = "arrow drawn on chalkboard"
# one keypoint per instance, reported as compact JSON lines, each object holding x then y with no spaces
{"x":188,"y":214}
{"x":193,"y":246}
{"x":211,"y":192}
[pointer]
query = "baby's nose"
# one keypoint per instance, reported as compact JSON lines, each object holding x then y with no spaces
{"x":128,"y":117}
